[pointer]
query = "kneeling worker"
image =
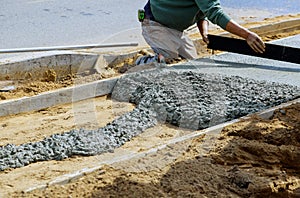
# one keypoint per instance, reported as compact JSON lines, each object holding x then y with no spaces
{"x":165,"y":21}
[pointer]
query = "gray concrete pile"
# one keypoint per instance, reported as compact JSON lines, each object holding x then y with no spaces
{"x":183,"y":98}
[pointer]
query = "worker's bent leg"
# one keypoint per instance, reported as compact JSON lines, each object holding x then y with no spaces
{"x":163,"y":40}
{"x":187,"y":49}
{"x":168,"y":42}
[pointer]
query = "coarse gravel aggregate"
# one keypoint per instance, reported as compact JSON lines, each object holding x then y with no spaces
{"x":183,"y":98}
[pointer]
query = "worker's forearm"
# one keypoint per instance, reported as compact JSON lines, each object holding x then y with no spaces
{"x":236,"y":29}
{"x":253,"y":40}
{"x":203,"y":29}
{"x":203,"y":26}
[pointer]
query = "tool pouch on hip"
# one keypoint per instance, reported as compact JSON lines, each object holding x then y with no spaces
{"x":141,"y":15}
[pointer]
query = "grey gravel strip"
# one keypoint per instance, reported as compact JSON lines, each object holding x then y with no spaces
{"x":78,"y":142}
{"x":183,"y":98}
{"x":195,"y":100}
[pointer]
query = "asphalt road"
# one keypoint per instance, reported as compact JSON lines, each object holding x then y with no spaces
{"x":273,"y":6}
{"x":30,"y":23}
{"x":38,"y":23}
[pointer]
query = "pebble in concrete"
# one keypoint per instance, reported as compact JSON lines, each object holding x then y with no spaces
{"x":183,"y":98}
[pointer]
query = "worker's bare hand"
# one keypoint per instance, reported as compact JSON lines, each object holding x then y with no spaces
{"x":256,"y":43}
{"x":205,"y":38}
{"x":203,"y":29}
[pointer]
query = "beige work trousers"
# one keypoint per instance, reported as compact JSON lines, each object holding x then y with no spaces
{"x":168,"y":42}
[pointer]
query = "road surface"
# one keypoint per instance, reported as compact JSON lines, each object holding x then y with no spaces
{"x":39,"y":23}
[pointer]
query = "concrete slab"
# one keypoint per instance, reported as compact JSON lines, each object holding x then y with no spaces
{"x":35,"y":66}
{"x":251,"y":67}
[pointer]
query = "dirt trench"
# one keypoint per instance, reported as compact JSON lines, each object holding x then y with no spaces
{"x":252,"y":158}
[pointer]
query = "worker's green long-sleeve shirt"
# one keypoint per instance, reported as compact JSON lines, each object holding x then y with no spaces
{"x":181,"y":14}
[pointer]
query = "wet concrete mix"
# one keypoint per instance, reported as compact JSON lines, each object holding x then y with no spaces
{"x":183,"y":98}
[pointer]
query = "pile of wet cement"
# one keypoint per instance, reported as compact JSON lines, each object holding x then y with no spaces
{"x":182,"y":98}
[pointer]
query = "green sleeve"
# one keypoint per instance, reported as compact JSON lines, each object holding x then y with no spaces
{"x":213,"y":11}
